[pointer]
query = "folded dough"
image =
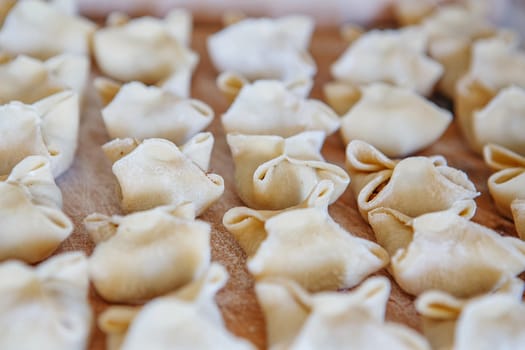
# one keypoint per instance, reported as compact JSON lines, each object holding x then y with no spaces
{"x":496,"y":63}
{"x":28,"y":80}
{"x":142,"y":112}
{"x":451,"y":32}
{"x":33,"y":225}
{"x":45,"y":307}
{"x":267,"y":107}
{"x":508,"y":183}
{"x":493,"y":321}
{"x":156,"y":172}
{"x":186,"y":319}
{"x":264,"y":48}
{"x":395,"y":120}
{"x":43,"y":30}
{"x":150,"y":50}
{"x":272,"y":172}
{"x":392,"y":56}
{"x":304,"y":243}
{"x":330,"y":320}
{"x":518,"y":214}
{"x":48,"y":127}
{"x":413,"y":186}
{"x":445,"y":251}
{"x":147,"y":254}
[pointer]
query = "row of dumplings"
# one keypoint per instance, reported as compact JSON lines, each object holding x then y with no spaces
{"x":280,"y":175}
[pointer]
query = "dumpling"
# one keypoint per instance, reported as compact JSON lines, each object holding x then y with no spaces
{"x":48,"y":127}
{"x":147,"y":254}
{"x":413,"y":186}
{"x":43,"y":30}
{"x":451,"y":32}
{"x":33,"y":225}
{"x":267,"y":107}
{"x":28,"y":80}
{"x":502,"y":120}
{"x":140,"y":111}
{"x":186,"y":319}
{"x":496,"y":63}
{"x":391,"y":56}
{"x":508,"y":183}
{"x":518,"y":214}
{"x":272,"y":172}
{"x":264,"y":48}
{"x":395,"y":120}
{"x":445,"y":251}
{"x":305,"y":244}
{"x":156,"y":172}
{"x":494,"y":321}
{"x":330,"y":320}
{"x":45,"y":307}
{"x":149,"y":50}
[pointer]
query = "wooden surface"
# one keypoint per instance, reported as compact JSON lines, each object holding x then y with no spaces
{"x":89,"y":186}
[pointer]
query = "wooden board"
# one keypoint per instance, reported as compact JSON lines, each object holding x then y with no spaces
{"x":89,"y":186}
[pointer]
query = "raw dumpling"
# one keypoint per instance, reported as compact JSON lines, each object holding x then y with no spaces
{"x":391,"y":56}
{"x":272,"y":172}
{"x":330,"y":320}
{"x":264,"y":48}
{"x":140,"y":111}
{"x":156,"y":172}
{"x":45,"y":307}
{"x":502,"y":120}
{"x":32,"y":223}
{"x":445,"y":251}
{"x":147,"y":254}
{"x":518,"y":214}
{"x":413,"y":186}
{"x":149,"y":50}
{"x":395,"y":120}
{"x":187,"y":319}
{"x":304,"y":244}
{"x":508,"y":183}
{"x":49,"y":127}
{"x":28,"y":80}
{"x":43,"y":30}
{"x":267,"y":107}
{"x":451,"y":32}
{"x":490,"y":322}
{"x":496,"y":63}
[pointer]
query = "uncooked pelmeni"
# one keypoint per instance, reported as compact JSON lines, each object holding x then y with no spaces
{"x":267,"y":107}
{"x":392,"y":56}
{"x":43,"y":30}
{"x":186,"y":319}
{"x":395,"y":120}
{"x":33,"y":224}
{"x":413,"y":186}
{"x":296,"y":319}
{"x":508,"y":182}
{"x":49,"y":127}
{"x":49,"y":302}
{"x":305,"y":244}
{"x":264,"y":48}
{"x":150,"y":50}
{"x":28,"y":80}
{"x":143,"y":112}
{"x":446,"y":251}
{"x":493,"y":321}
{"x":496,"y":63}
{"x":272,"y":172}
{"x":156,"y":172}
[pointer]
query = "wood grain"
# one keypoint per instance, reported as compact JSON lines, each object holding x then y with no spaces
{"x":89,"y":186}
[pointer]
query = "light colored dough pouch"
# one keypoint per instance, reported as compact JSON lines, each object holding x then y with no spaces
{"x":304,"y":244}
{"x":156,"y":172}
{"x":518,"y":214}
